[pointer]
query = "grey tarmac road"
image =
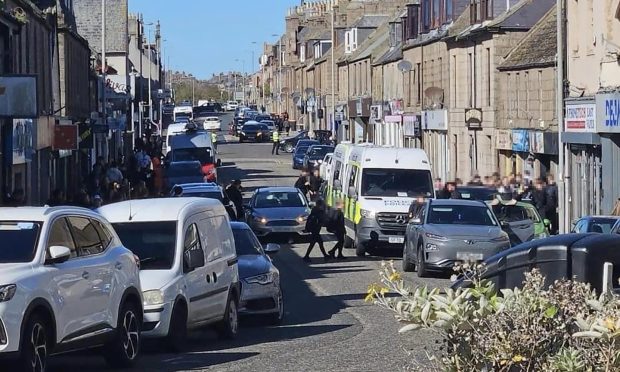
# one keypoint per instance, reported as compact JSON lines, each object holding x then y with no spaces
{"x":328,"y":326}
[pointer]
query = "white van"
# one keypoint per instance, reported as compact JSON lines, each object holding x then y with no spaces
{"x":188,"y":264}
{"x":376,"y":186}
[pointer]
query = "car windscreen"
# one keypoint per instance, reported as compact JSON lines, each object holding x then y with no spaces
{"x":250,"y":128}
{"x":481,"y":193}
{"x":19,"y":241}
{"x":602,"y":225}
{"x":396,"y":183}
{"x":203,"y":194}
{"x":460,"y":215}
{"x":288,"y":199}
{"x":245,"y":243}
{"x":201,"y":154}
{"x":320,"y":152}
{"x":153,"y":242}
{"x":301,"y":150}
{"x":515,"y":213}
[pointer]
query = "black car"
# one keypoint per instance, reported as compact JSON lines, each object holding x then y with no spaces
{"x":288,"y":144}
{"x":571,"y":256}
{"x":315,"y":155}
{"x":256,"y":132}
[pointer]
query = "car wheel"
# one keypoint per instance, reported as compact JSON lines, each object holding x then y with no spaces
{"x":408,"y":266}
{"x":125,"y":347}
{"x":277,"y":317}
{"x":348,"y":242}
{"x":288,"y":148}
{"x":360,"y":248}
{"x":229,"y":326}
{"x":177,"y":331}
{"x":240,"y":140}
{"x":422,"y":270}
{"x":34,"y":346}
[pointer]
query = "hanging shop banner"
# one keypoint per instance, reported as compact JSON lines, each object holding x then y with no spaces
{"x":608,"y":113}
{"x":397,"y":119}
{"x":537,"y":142}
{"x":411,"y":126}
{"x":65,"y":136}
{"x":396,"y":107}
{"x":435,"y":120}
{"x":580,"y":118}
{"x":520,"y":140}
{"x":23,"y":140}
{"x":503,"y":139}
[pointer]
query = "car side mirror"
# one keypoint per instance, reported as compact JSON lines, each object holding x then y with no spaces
{"x":58,"y":254}
{"x":352,"y":192}
{"x":272,"y":248}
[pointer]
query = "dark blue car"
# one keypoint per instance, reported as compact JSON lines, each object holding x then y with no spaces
{"x":299,"y":155}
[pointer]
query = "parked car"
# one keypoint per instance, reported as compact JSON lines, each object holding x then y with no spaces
{"x":289,"y":144}
{"x":67,"y":283}
{"x":212,"y":123}
{"x":231,"y":105}
{"x":270,"y":124}
{"x":277,"y":210}
{"x":315,"y":155}
{"x":595,"y":224}
{"x":326,"y":166}
{"x":299,"y":155}
{"x":205,"y":190}
{"x":261,"y":293}
{"x":520,"y":220}
{"x":253,"y":131}
{"x":447,"y":231}
{"x":263,"y":117}
{"x":579,"y":257}
{"x":188,"y":269}
{"x":306,"y":143}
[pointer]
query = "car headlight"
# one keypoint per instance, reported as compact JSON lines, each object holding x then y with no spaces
{"x":262,"y":279}
{"x":7,"y":292}
{"x":153,"y":297}
{"x":503,"y":238}
{"x":301,"y":219}
{"x":435,"y":236}
{"x":431,"y":247}
{"x":260,"y":219}
{"x":367,"y":214}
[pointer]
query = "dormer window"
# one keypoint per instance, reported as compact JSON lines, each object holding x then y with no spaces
{"x":350,"y":41}
{"x":480,"y":11}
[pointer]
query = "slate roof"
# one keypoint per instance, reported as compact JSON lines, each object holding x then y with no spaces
{"x":538,"y":47}
{"x":370,"y":21}
{"x":319,"y":34}
{"x":392,"y":55}
{"x":375,"y":45}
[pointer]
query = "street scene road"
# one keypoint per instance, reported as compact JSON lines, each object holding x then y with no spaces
{"x":327,"y":326}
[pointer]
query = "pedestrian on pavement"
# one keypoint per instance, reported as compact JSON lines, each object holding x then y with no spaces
{"x":475,"y":181}
{"x":314,"y":224}
{"x":97,"y":202}
{"x":158,"y":173}
{"x":275,"y":137}
{"x":539,"y":197}
{"x":337,"y":227}
{"x":113,"y":174}
{"x":287,"y":127}
{"x":233,"y":191}
{"x":450,"y":191}
{"x":315,"y":181}
{"x":505,"y":190}
{"x":551,"y":192}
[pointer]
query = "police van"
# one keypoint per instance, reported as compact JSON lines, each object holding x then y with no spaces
{"x":376,"y":185}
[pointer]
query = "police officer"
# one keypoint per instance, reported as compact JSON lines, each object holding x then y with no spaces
{"x":214,"y":140}
{"x":276,"y":142}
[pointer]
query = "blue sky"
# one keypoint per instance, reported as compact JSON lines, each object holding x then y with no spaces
{"x":206,"y":36}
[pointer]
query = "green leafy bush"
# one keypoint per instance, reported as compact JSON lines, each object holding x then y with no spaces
{"x":565,"y":327}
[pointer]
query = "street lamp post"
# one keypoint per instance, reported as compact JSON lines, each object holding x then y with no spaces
{"x":104,"y":112}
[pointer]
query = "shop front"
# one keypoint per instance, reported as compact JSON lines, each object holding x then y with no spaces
{"x":412,"y":132}
{"x":608,"y":128}
{"x":583,"y":171}
{"x":435,"y":140}
{"x":361,"y":129}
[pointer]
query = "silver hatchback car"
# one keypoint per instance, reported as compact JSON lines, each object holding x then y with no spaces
{"x":447,"y":231}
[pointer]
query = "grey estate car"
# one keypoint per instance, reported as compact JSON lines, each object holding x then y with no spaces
{"x":446,"y":231}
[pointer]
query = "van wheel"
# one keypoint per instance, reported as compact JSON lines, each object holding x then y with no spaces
{"x":408,"y":266}
{"x":177,"y":331}
{"x":360,"y":248}
{"x":34,"y":346}
{"x":228,"y":328}
{"x":125,"y":347}
{"x":422,"y":270}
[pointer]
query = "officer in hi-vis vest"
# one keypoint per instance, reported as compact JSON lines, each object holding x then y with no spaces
{"x":276,"y":142}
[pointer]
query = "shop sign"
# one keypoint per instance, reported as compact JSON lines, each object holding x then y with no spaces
{"x":396,"y":119}
{"x":435,"y":120}
{"x":503,"y":139}
{"x":376,"y":112}
{"x":23,"y":140}
{"x":396,"y":107}
{"x":580,"y":118}
{"x":473,"y":118}
{"x":520,"y":140}
{"x":608,"y":113}
{"x":116,"y":87}
{"x":65,"y":136}
{"x":537,"y":142}
{"x":411,"y":126}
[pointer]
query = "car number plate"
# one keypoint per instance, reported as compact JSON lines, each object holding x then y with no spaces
{"x":280,"y":229}
{"x":396,"y":239}
{"x":464,"y":256}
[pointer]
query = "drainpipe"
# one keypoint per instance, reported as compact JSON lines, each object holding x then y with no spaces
{"x":563,"y":189}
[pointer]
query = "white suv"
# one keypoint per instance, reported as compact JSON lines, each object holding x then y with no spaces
{"x":66,"y":283}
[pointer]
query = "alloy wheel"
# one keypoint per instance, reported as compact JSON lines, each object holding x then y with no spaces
{"x":38,"y":342}
{"x":131,"y":335}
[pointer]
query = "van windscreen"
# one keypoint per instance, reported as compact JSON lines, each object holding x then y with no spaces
{"x":201,"y":154}
{"x":153,"y":242}
{"x":396,"y":183}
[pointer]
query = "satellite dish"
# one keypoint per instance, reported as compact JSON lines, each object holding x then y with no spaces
{"x":404,"y":66}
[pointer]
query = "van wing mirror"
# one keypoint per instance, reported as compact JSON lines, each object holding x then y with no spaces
{"x":192,"y":259}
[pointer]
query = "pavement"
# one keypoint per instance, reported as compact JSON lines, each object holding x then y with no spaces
{"x":327,"y":326}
